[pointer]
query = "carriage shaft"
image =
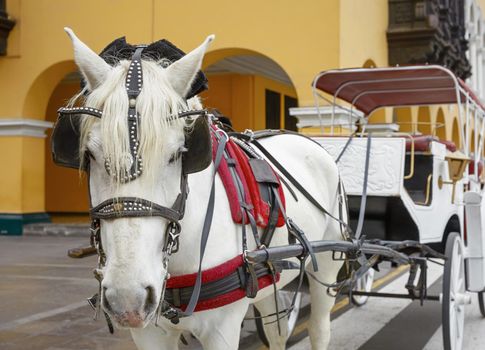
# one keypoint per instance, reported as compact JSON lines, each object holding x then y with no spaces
{"x":396,"y":296}
{"x":351,"y":248}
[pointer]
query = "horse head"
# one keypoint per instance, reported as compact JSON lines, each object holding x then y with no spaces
{"x":138,"y":160}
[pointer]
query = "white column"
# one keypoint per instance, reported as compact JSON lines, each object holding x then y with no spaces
{"x":479,"y":70}
{"x":472,"y":53}
{"x":482,"y":77}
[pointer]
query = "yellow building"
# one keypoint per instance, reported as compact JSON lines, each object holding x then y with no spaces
{"x":262,"y":62}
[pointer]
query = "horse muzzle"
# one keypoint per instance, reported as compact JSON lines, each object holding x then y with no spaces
{"x":130,"y":307}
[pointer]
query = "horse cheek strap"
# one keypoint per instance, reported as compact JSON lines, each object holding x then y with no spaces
{"x":199,"y":145}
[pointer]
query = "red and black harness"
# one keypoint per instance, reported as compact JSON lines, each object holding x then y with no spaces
{"x":244,"y":167}
{"x":249,"y":183}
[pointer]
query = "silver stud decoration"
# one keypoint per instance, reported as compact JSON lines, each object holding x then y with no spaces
{"x":124,"y":206}
{"x":133,"y":84}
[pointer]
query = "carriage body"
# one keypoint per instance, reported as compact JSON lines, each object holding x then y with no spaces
{"x":394,"y":211}
{"x":419,"y":187}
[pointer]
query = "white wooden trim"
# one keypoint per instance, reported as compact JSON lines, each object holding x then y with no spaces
{"x":24,"y":127}
{"x":309,"y":116}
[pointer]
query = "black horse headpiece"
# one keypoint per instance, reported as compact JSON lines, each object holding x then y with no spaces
{"x":119,"y":50}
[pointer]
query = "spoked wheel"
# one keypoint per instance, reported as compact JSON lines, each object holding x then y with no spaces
{"x":363,"y":284}
{"x":481,"y":303}
{"x":454,"y":296}
{"x":285,"y":297}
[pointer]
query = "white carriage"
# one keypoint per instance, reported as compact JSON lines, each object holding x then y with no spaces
{"x":408,"y":186}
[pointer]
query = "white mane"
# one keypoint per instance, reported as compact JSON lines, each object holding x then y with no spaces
{"x":156,"y":103}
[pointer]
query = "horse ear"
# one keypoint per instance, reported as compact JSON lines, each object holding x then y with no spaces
{"x":181,"y":73}
{"x":93,"y":68}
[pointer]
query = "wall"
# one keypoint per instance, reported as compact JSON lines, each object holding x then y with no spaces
{"x":242,"y":98}
{"x":363,"y":26}
{"x":286,"y":33}
{"x":303,"y":38}
{"x":233,"y":96}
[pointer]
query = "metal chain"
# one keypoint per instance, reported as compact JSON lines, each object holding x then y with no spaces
{"x":171,"y":246}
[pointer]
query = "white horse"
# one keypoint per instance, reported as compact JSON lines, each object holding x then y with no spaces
{"x":133,"y":273}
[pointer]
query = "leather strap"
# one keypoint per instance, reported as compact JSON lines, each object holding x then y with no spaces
{"x":295,"y":183}
{"x":132,"y":207}
{"x":225,"y":285}
{"x":79,"y":110}
{"x":205,"y":231}
{"x":267,"y":235}
{"x":344,"y":149}
{"x":134,"y":78}
{"x":363,"y":200}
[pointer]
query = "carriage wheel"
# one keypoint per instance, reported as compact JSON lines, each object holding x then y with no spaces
{"x":363,"y":284}
{"x":285,"y":297}
{"x":454,"y":295}
{"x":481,"y":303}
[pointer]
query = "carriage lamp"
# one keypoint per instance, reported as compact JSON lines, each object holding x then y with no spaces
{"x":457,"y":163}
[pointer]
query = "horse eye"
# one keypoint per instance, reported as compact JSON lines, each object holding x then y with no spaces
{"x":174,"y":157}
{"x":165,"y":62}
{"x":89,"y":154}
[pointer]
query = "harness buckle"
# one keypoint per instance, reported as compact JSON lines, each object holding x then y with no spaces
{"x":245,"y":256}
{"x":172,"y":315}
{"x":94,"y":238}
{"x":173,"y":234}
{"x":249,"y":133}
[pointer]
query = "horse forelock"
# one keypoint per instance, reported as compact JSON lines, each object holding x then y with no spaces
{"x":156,"y":104}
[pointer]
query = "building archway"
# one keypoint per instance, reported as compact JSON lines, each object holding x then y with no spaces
{"x":440,"y":125}
{"x":471,"y":145}
{"x":369,"y":63}
{"x":424,"y":120}
{"x":455,"y":133}
{"x":66,"y":191}
{"x":253,"y":90}
{"x":40,"y":92}
{"x":404,"y":118}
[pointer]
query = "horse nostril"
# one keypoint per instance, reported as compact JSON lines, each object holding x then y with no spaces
{"x":150,"y":299}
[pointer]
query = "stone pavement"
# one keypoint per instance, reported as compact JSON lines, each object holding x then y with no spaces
{"x":43,"y":293}
{"x":48,"y":229}
{"x":42,"y":299}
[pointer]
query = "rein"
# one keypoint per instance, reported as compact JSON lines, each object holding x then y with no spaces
{"x":168,"y":311}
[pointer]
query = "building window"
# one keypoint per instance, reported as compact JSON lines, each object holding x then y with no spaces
{"x":273,"y":109}
{"x":290,"y":121}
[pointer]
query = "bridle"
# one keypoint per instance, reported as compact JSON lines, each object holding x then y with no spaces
{"x":129,"y":207}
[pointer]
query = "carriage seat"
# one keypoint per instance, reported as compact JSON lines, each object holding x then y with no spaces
{"x":422,"y":143}
{"x":471,"y":168}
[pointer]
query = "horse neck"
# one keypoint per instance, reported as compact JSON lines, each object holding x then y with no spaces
{"x":222,"y":243}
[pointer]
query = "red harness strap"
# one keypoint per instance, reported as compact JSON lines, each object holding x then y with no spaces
{"x":262,"y":209}
{"x":213,"y":274}
{"x":240,"y":161}
{"x":228,"y":182}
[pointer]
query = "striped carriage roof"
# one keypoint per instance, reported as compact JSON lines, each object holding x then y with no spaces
{"x":371,"y":88}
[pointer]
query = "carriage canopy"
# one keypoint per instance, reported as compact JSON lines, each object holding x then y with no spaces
{"x":371,"y":88}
